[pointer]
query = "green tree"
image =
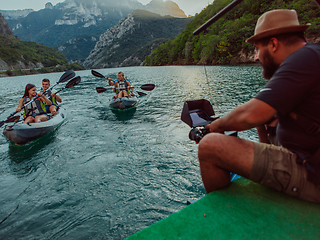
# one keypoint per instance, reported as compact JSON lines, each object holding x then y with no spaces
{"x":225,"y":38}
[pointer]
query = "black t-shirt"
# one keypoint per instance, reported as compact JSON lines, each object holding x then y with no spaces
{"x":295,"y":86}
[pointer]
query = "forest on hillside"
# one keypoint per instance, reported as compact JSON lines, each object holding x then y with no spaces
{"x":14,"y":51}
{"x":224,"y":43}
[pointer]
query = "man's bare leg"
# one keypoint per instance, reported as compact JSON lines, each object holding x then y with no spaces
{"x":219,"y":155}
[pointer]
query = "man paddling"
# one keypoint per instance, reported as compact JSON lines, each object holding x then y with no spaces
{"x":54,"y":98}
{"x":292,"y":94}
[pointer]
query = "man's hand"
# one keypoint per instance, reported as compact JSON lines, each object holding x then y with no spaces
{"x":214,"y":127}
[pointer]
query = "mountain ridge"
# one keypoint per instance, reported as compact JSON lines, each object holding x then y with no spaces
{"x":125,"y":42}
{"x":79,"y":21}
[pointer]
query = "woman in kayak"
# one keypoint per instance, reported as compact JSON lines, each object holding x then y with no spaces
{"x":121,"y":86}
{"x":34,"y":111}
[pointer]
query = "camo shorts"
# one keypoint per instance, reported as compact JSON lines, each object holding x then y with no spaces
{"x":276,"y":168}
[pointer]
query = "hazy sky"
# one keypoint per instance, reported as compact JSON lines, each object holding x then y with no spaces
{"x":190,"y":7}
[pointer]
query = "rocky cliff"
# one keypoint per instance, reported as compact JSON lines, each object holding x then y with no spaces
{"x":118,"y":45}
{"x":107,"y":42}
{"x":4,"y":27}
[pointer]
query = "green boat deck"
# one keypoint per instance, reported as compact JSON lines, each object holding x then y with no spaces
{"x":245,"y":210}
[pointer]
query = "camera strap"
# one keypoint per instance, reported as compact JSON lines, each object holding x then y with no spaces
{"x":307,"y":124}
{"x":312,"y":128}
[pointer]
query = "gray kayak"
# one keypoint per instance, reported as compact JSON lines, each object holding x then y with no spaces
{"x":24,"y":133}
{"x":123,"y":103}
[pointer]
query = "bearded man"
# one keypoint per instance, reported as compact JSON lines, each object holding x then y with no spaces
{"x":292,"y":94}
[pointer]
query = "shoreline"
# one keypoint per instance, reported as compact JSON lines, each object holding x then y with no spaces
{"x":22,"y":72}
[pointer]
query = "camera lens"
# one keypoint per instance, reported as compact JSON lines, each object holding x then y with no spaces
{"x":195,"y":135}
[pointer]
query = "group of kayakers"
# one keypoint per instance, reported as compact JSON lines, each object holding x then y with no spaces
{"x":44,"y":103}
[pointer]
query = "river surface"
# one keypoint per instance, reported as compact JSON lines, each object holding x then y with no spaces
{"x":106,"y":174}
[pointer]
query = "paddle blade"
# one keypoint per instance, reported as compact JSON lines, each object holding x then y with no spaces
{"x":95,"y":73}
{"x":148,"y":87}
{"x":141,"y":93}
{"x":101,"y":89}
{"x":67,"y":76}
{"x":10,"y":119}
{"x":73,"y":82}
{"x":13,"y":119}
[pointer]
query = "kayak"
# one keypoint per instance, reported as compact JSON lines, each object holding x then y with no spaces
{"x":24,"y":133}
{"x":124,"y":102}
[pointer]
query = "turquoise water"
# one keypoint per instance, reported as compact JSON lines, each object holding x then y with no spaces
{"x":106,"y":174}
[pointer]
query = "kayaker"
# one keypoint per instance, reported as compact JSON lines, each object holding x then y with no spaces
{"x":54,"y":98}
{"x":120,"y":74}
{"x":35,"y":111}
{"x":122,"y":86}
{"x":292,"y":93}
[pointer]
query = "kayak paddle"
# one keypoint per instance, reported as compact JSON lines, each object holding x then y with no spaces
{"x":102,"y":89}
{"x":146,"y":87}
{"x":96,"y":74}
{"x":71,"y":83}
{"x":65,"y":77}
{"x":10,"y":119}
{"x":141,"y":93}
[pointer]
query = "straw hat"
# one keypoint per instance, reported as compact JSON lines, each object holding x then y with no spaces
{"x":276,"y":22}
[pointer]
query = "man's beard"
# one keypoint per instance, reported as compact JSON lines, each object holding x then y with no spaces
{"x":269,"y":66}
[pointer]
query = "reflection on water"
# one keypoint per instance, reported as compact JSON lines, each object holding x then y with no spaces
{"x":24,"y":158}
{"x":111,"y":114}
{"x":124,"y":115}
{"x":20,"y":153}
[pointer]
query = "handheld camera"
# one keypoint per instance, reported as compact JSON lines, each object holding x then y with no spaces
{"x":197,"y":114}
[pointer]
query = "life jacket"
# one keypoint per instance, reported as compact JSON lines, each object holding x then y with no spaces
{"x":36,"y":107}
{"x":122,"y":86}
{"x":48,"y":95}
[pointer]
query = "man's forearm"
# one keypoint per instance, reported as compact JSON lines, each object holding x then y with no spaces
{"x":244,"y":117}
